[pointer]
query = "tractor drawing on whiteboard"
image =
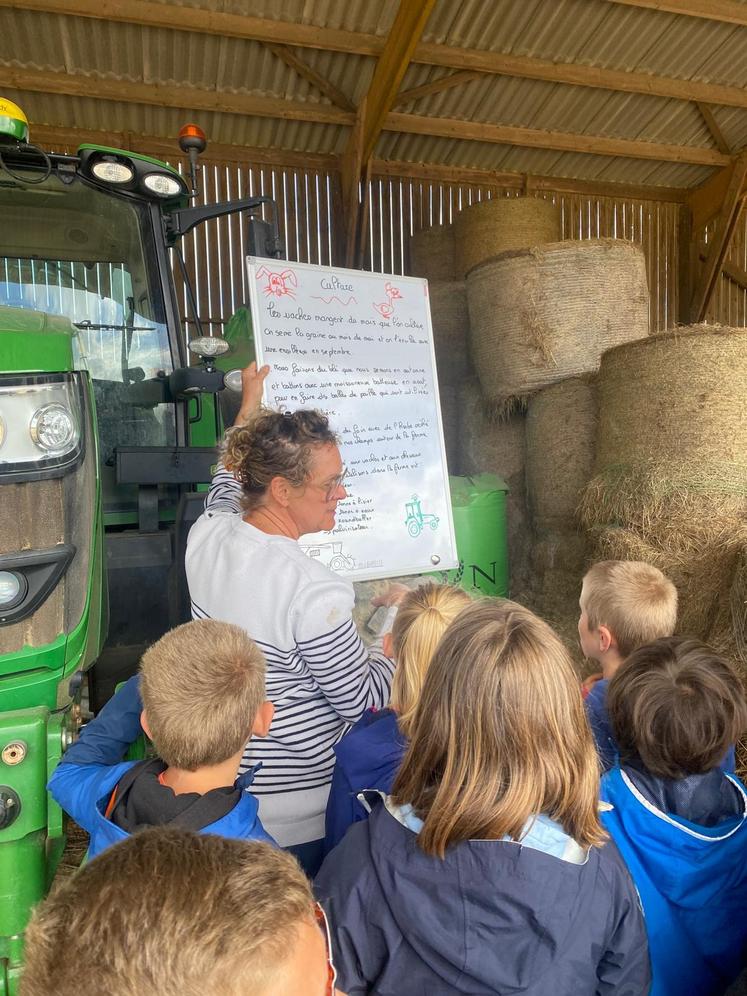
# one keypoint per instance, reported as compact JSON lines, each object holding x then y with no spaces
{"x":417,"y":519}
{"x":331,"y":555}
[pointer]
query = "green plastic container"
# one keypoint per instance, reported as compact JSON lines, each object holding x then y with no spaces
{"x":481,"y":528}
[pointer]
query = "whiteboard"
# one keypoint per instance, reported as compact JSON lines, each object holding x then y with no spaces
{"x":359,"y":347}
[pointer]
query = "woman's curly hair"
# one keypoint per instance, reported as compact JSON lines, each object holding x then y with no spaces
{"x":274,"y":444}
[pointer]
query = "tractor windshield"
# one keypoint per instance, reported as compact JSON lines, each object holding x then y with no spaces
{"x":88,"y":256}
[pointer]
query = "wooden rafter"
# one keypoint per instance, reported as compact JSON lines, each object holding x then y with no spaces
{"x":521,"y":181}
{"x":436,"y":86}
{"x":305,"y":71}
{"x":167,"y":95}
{"x":204,"y":21}
{"x":711,"y":10}
{"x":712,"y":125}
{"x":192,"y":99}
{"x":723,"y":230}
{"x":58,"y":138}
{"x":560,"y":141}
{"x":391,"y":67}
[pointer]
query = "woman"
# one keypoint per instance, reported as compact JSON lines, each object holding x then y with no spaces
{"x":244,"y":566}
{"x":486,"y":870}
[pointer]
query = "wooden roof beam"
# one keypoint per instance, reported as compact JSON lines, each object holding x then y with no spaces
{"x":192,"y":99}
{"x":560,"y":141}
{"x":391,"y":67}
{"x":166,"y":95}
{"x":710,"y":10}
{"x":387,"y":78}
{"x":718,"y":247}
{"x":712,"y":125}
{"x":305,"y":71}
{"x":436,"y":86}
{"x":201,"y":20}
{"x":438,"y":173}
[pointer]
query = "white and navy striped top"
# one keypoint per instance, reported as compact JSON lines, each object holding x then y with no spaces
{"x":320,"y":676}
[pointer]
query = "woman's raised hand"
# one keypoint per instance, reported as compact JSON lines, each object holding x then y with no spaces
{"x":252,"y":382}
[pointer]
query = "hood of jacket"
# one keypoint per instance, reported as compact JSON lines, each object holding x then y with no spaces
{"x":492,"y":917}
{"x":692,"y":866}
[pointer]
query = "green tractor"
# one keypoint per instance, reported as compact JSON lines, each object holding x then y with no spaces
{"x":106,"y":430}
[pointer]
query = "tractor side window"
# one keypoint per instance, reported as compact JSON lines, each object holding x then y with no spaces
{"x":87,"y":256}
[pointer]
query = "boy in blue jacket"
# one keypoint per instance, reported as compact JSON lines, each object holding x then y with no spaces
{"x":678,"y":820}
{"x":199,"y":696}
{"x":624,"y":604}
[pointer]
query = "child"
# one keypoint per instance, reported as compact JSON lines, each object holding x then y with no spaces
{"x":624,"y":604}
{"x":370,"y":754}
{"x":679,"y":821}
{"x":171,"y":913}
{"x":203,"y":695}
{"x":485,"y":870}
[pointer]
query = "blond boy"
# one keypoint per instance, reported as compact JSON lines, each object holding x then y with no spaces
{"x":199,"y":696}
{"x":624,"y":605}
{"x":174,"y":913}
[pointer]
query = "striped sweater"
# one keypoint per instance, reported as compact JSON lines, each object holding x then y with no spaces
{"x":320,"y":676}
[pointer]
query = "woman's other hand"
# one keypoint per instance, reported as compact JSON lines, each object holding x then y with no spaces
{"x":252,"y":382}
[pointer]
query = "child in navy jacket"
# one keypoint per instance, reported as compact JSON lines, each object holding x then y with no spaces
{"x":487,"y":870}
{"x":678,"y":820}
{"x":369,"y":755}
{"x":199,"y":696}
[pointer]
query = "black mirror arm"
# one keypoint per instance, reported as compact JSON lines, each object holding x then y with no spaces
{"x":178,"y":223}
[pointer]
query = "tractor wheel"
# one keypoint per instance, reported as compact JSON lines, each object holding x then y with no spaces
{"x":414,"y":528}
{"x":434,"y":522}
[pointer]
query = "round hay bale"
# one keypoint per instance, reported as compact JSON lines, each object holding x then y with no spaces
{"x":560,"y":432}
{"x":490,"y":445}
{"x":698,"y":571}
{"x":546,"y":314}
{"x":502,"y":224}
{"x":674,"y":406}
{"x":450,"y":320}
{"x":432,"y":253}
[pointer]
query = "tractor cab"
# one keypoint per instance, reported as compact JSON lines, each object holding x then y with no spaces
{"x":108,"y":428}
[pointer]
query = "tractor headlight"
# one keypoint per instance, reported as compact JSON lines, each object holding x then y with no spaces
{"x":53,"y":429}
{"x":112,"y":171}
{"x":43,"y":418}
{"x":162,"y":185}
{"x":12,"y":589}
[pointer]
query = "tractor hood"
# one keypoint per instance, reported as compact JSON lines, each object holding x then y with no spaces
{"x":35,"y":342}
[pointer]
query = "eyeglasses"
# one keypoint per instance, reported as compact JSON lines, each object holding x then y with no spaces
{"x":333,"y":486}
{"x":323,"y":924}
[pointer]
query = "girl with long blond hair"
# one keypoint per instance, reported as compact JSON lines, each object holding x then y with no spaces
{"x":487,"y":870}
{"x":369,"y":756}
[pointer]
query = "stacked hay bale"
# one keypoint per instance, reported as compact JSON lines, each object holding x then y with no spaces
{"x":497,"y":446}
{"x":670,"y":483}
{"x":432,"y":253}
{"x":502,"y":224}
{"x":545,"y":314}
{"x":561,"y":426}
{"x":450,"y":318}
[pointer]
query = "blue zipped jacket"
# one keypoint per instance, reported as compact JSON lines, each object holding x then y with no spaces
{"x":692,"y":881}
{"x":492,"y":917}
{"x":599,"y":721}
{"x":92,"y":767}
{"x":367,"y":757}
